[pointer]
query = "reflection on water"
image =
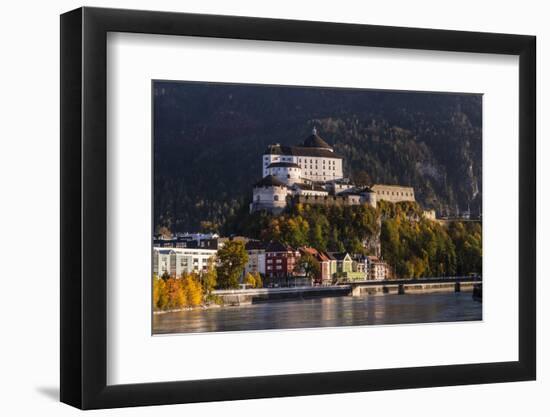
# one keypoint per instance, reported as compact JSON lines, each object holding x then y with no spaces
{"x":324,"y":312}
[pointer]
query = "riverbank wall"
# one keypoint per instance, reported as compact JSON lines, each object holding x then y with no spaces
{"x":262,"y":295}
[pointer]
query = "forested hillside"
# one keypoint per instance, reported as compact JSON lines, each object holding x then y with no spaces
{"x":209,"y":138}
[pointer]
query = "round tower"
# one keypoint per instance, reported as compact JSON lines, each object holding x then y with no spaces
{"x":286,"y":172}
{"x":269,"y":194}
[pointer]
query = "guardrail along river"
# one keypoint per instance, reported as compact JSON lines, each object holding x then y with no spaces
{"x":324,"y":312}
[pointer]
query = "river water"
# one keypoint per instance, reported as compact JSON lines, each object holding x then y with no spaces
{"x":324,"y":312}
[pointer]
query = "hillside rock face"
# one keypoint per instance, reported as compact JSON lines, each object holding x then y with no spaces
{"x":209,"y":138}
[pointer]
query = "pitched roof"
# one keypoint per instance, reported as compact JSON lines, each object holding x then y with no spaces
{"x":339,"y":256}
{"x":164,"y":251}
{"x":320,"y":256}
{"x":270,"y":181}
{"x":255,"y":245}
{"x":300,"y":151}
{"x":391,"y":186}
{"x":277,"y":246}
{"x":315,"y":141}
{"x":283,"y":165}
{"x":312,"y":186}
{"x":356,"y":191}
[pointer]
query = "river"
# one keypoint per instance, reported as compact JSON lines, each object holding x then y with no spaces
{"x":325,"y":312}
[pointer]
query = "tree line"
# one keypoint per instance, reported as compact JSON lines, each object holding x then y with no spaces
{"x":413,"y":245}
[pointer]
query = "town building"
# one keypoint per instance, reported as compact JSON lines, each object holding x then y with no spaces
{"x":176,"y":261}
{"x":324,"y":277}
{"x":377,"y":269}
{"x":280,"y":260}
{"x":256,"y":257}
{"x":187,"y":240}
{"x":344,"y":263}
{"x":161,"y":261}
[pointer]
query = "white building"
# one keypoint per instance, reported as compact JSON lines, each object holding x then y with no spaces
{"x":314,"y":157}
{"x":377,"y":269}
{"x":176,"y":261}
{"x":256,"y":257}
{"x":312,"y":174}
{"x":269,"y":194}
{"x":287,"y":172}
{"x":161,"y":261}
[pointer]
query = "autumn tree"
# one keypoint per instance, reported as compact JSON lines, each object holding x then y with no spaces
{"x":309,"y":266}
{"x":258,"y":280}
{"x":160,"y":294}
{"x":209,"y":227}
{"x":165,"y":232}
{"x":175,"y":293}
{"x":191,"y":289}
{"x":250,"y":279}
{"x":232,"y":258}
{"x":209,"y":278}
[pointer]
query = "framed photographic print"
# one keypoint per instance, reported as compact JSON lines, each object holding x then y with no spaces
{"x":257,"y":208}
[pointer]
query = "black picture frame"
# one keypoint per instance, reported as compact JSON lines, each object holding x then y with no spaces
{"x":84,"y":207}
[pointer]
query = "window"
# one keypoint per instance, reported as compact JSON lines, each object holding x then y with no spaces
{"x":276,"y":198}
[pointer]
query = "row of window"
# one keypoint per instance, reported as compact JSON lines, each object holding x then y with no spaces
{"x":269,"y":268}
{"x":290,"y":159}
{"x":403,"y":193}
{"x":270,"y":261}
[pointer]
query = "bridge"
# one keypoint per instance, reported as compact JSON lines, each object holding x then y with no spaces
{"x":343,"y":288}
{"x":400,"y":284}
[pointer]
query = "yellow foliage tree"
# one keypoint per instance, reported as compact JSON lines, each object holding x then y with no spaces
{"x":160,"y":294}
{"x":258,"y":279}
{"x":192,"y":290}
{"x":209,"y":279}
{"x":176,"y":295}
{"x":249,"y":279}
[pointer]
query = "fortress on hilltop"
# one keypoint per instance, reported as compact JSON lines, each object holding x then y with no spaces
{"x":312,"y":173}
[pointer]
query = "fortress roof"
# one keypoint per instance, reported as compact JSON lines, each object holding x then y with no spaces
{"x":312,"y":186}
{"x":356,"y":191}
{"x":283,"y":165}
{"x":270,"y":181}
{"x":300,"y":151}
{"x":315,"y":141}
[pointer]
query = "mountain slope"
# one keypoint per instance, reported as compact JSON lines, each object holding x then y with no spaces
{"x":209,"y":138}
